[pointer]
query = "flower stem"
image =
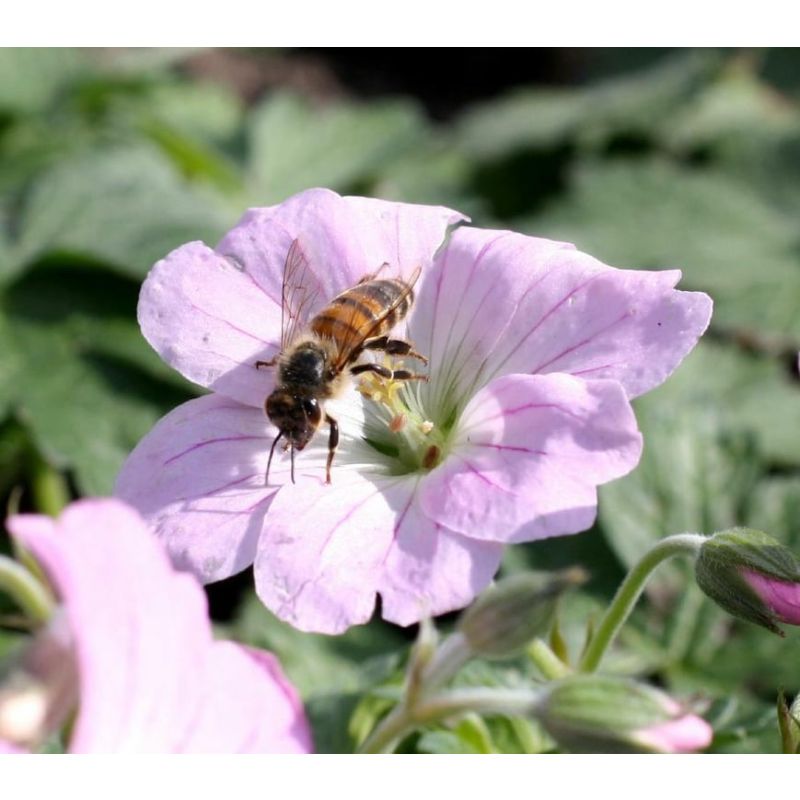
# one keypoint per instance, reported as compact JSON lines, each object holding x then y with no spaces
{"x":631,"y":589}
{"x":403,"y":720}
{"x":549,"y":664}
{"x":30,"y":595}
{"x":48,"y":487}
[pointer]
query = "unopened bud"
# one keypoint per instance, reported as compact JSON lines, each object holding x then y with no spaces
{"x":752,"y":576}
{"x":508,"y":615}
{"x":605,"y":714}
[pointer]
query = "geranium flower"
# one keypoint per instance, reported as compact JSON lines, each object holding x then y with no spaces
{"x":534,"y":348}
{"x":131,"y":646}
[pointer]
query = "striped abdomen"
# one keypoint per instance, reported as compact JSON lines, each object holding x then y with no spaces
{"x":369,"y":309}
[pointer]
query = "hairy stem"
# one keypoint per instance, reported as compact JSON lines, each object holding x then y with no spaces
{"x":631,"y":589}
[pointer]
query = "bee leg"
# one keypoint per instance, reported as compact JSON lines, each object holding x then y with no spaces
{"x":393,"y":347}
{"x":372,"y":275}
{"x":271,"y":363}
{"x":389,"y":374}
{"x":333,"y":443}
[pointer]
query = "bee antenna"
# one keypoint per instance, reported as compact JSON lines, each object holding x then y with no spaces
{"x":292,"y":453}
{"x":269,"y":460}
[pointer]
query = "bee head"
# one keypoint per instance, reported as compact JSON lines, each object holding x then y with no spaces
{"x":295,"y":416}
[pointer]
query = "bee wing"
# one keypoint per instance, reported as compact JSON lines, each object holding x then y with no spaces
{"x":354,"y":341}
{"x":299,"y":292}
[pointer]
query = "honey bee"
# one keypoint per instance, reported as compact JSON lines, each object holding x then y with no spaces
{"x":317,"y":355}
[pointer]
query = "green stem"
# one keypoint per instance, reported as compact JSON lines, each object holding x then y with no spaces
{"x":403,"y":720}
{"x":549,"y":664}
{"x":30,"y":595}
{"x":630,"y":590}
{"x":48,"y":487}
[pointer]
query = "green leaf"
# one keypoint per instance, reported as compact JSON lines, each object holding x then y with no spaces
{"x":77,"y":372}
{"x":295,"y":146}
{"x":30,"y":77}
{"x":589,"y":117}
{"x":125,"y":207}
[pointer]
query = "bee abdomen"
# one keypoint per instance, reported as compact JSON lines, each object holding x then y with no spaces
{"x":360,"y":311}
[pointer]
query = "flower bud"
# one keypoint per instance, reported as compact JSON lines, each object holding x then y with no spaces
{"x":604,"y":714}
{"x":752,"y":576}
{"x":508,"y":615}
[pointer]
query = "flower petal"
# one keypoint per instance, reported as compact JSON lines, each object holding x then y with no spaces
{"x":143,"y":642}
{"x":212,"y":314}
{"x":198,"y":480}
{"x":210,"y":320}
{"x":529,"y":454}
{"x":503,"y":303}
{"x":319,"y":560}
{"x":268,"y":718}
{"x":430,"y":570}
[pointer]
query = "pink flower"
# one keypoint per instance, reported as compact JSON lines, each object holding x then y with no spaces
{"x":133,"y":638}
{"x":534,"y":348}
{"x":687,"y":733}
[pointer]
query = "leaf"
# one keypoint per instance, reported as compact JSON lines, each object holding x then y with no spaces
{"x":77,"y":372}
{"x":588,"y":117}
{"x":125,"y":207}
{"x":294,"y":146}
{"x":31,"y":76}
{"x":746,"y":392}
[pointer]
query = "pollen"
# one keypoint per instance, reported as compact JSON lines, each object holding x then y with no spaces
{"x":426,"y":427}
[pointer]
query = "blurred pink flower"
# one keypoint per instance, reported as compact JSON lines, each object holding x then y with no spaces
{"x":134,"y":636}
{"x":687,"y":733}
{"x":535,"y":350}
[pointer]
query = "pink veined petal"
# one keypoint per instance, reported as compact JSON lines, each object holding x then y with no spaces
{"x":198,"y":480}
{"x":529,"y":455}
{"x":544,"y":307}
{"x":319,"y":560}
{"x":430,"y":570}
{"x":267,"y":718}
{"x":686,"y":734}
{"x":151,"y":678}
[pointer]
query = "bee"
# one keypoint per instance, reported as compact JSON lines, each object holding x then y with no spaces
{"x":317,"y":355}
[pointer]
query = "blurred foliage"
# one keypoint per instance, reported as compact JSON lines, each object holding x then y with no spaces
{"x":686,"y":159}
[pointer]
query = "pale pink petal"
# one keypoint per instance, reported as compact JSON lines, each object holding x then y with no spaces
{"x":198,"y":480}
{"x":403,"y":235}
{"x":430,"y":570}
{"x":319,"y":560}
{"x":210,"y":320}
{"x":135,"y":626}
{"x":498,"y":302}
{"x":148,"y":667}
{"x":268,"y":718}
{"x":7,"y":749}
{"x":529,"y":454}
{"x":686,"y":734}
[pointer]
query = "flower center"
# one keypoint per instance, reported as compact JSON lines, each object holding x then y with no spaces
{"x":399,"y":427}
